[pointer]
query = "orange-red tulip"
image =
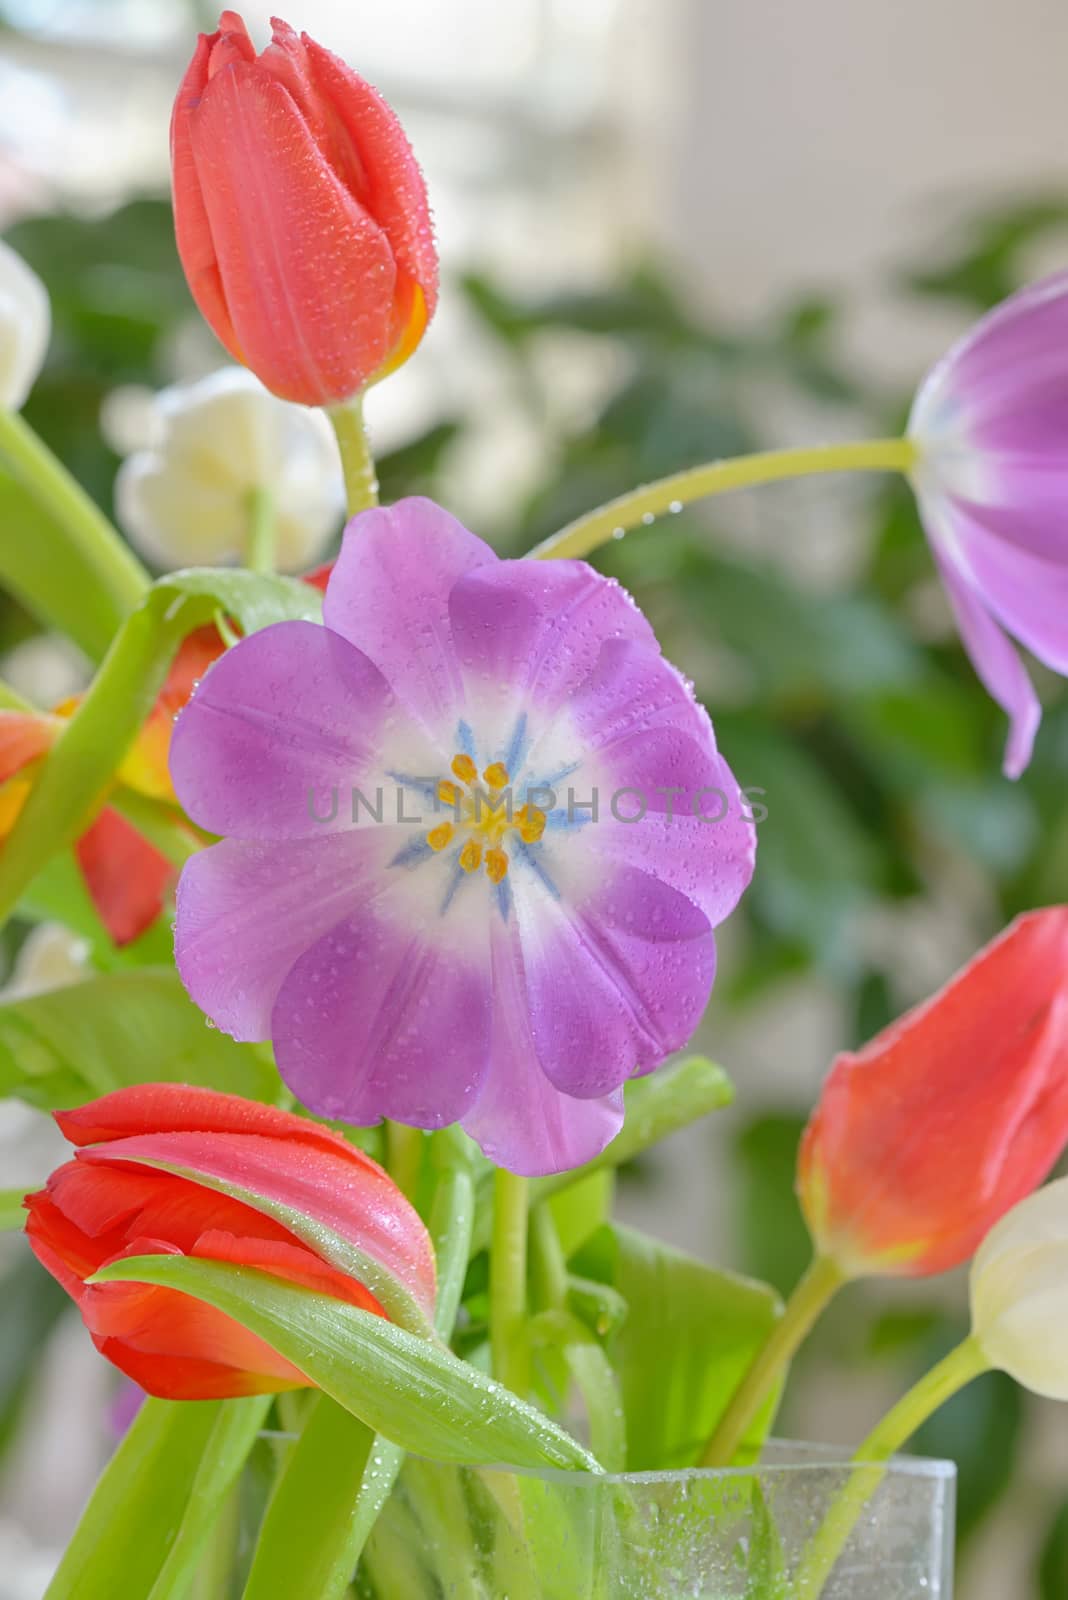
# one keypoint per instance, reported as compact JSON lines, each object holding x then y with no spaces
{"x":926,"y":1137}
{"x":301,"y":214}
{"x":150,"y":1177}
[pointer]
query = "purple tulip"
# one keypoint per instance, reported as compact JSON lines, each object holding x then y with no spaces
{"x":413,"y":897}
{"x":991,"y":428}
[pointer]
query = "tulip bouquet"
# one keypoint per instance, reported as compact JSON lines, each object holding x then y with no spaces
{"x":445,"y":841}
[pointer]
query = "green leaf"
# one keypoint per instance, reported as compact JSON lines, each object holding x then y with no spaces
{"x":317,"y":1519}
{"x":767,"y":1574}
{"x":12,"y":1211}
{"x":115,"y":1029}
{"x":227,"y":1449}
{"x":690,"y":1334}
{"x":413,"y":1390}
{"x":140,"y":1502}
{"x":254,"y":599}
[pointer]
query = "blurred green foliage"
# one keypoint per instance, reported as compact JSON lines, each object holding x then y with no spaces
{"x":879,"y":752}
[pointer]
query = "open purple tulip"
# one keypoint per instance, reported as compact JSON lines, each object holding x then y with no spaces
{"x":477,"y":838}
{"x":991,"y":428}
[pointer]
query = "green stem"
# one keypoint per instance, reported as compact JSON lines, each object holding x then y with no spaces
{"x":589,"y":1366}
{"x":452,"y":1218}
{"x":652,"y":500}
{"x":262,"y":531}
{"x":161,"y":824}
{"x":508,"y":1281}
{"x":357,"y":462}
{"x":404,"y":1158}
{"x":111,"y":560}
{"x":656,"y":1106}
{"x":951,"y":1374}
{"x":80,"y":767}
{"x":812,"y":1295}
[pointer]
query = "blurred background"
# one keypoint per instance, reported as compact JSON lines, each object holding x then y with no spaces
{"x":671,"y":230}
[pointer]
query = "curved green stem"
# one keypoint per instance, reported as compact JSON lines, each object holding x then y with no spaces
{"x":357,"y":462}
{"x":87,"y":753}
{"x":812,"y":1295}
{"x":96,"y":542}
{"x":652,"y":500}
{"x":951,"y":1374}
{"x":262,"y":531}
{"x":163,"y":825}
{"x":508,"y":1281}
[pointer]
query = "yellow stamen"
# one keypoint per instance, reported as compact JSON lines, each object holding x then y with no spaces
{"x":464,"y":768}
{"x":496,"y":865}
{"x":439,"y":837}
{"x":471,"y":856}
{"x":531,"y":824}
{"x":497,"y":775}
{"x":448,"y":793}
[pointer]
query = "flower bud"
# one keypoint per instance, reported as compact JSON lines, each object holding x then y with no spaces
{"x":163,"y":1168}
{"x":25,"y":325}
{"x":1019,"y":1290}
{"x":301,"y":214}
{"x":924,"y":1138}
{"x":187,"y":501}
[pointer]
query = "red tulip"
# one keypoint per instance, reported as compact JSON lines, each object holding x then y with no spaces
{"x":926,"y":1137}
{"x":301,"y":214}
{"x":167,"y":1169}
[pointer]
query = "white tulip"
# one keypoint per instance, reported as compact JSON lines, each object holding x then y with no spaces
{"x":1020,"y":1292}
{"x":25,"y":327}
{"x":186,"y":501}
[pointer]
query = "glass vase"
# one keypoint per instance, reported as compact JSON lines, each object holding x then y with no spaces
{"x":449,"y":1533}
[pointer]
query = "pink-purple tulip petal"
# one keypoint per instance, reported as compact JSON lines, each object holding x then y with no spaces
{"x":991,"y":428}
{"x":434,"y":895}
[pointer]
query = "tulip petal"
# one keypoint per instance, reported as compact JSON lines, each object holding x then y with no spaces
{"x":163,"y":1324}
{"x":1025,"y":592}
{"x":537,"y":628}
{"x":616,"y":977}
{"x":377,"y":1020}
{"x":309,"y":1193}
{"x":684,"y":819}
{"x":25,"y":736}
{"x":270,"y":901}
{"x":307,"y":274}
{"x":128,"y":879}
{"x":390,"y":591}
{"x":924,"y":1138}
{"x":521,"y":1120}
{"x":282,"y":729}
{"x":191,"y":225}
{"x":996,"y":662}
{"x":393,"y":184}
{"x":290,"y":1261}
{"x":188,"y":1108}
